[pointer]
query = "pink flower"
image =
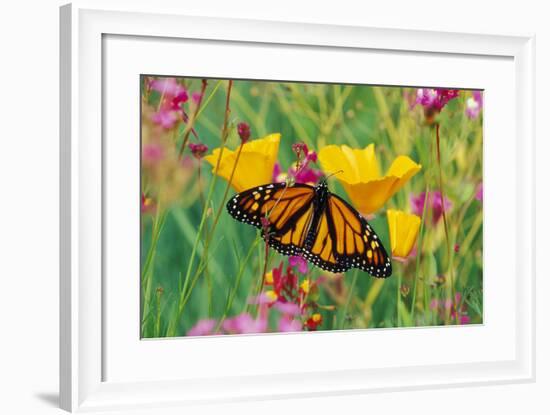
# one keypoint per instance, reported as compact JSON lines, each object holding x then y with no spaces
{"x":290,"y":309}
{"x":458,"y":312}
{"x":303,"y":153}
{"x":435,"y":99}
{"x":152,"y":153}
{"x":299,"y":172}
{"x":244,"y":323}
{"x":479,"y":192}
{"x":173,"y":94}
{"x":261,"y":299}
{"x":179,"y":99}
{"x":299,"y":262}
{"x":289,"y":324}
{"x":434,"y":202}
{"x":202,"y":328}
{"x":300,"y":149}
{"x":167,"y":86}
{"x":311,"y":156}
{"x":284,"y":285}
{"x":462,"y":318}
{"x":474,"y":105}
{"x":306,"y":175}
{"x":165,"y":118}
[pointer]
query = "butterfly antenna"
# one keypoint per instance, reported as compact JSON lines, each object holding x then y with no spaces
{"x":333,"y":174}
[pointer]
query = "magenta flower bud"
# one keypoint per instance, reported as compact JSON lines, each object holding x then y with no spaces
{"x":244,"y":131}
{"x":433,"y":100}
{"x":312,"y":156}
{"x":300,"y":149}
{"x":198,"y":150}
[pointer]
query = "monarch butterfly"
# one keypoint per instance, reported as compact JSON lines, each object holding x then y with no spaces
{"x":314,"y":223}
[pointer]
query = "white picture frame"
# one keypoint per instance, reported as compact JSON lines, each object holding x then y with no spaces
{"x":84,"y":28}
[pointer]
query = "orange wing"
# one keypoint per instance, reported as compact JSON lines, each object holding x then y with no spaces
{"x":288,"y":209}
{"x":320,"y":249}
{"x":357,"y":245}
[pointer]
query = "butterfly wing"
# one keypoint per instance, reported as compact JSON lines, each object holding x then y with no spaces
{"x":320,"y":249}
{"x":357,"y":245}
{"x":290,"y":240}
{"x":288,"y":209}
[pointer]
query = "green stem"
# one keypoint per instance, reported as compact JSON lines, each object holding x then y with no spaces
{"x":398,"y":298}
{"x":444,"y":214}
{"x":147,"y":271}
{"x":233,"y":293}
{"x":348,"y":300}
{"x":157,"y":321}
{"x":203,"y":106}
{"x":419,"y":250}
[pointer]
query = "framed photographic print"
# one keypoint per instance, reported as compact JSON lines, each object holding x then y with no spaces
{"x":219,"y":212}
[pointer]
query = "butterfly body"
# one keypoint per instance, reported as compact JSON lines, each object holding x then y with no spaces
{"x":319,"y":205}
{"x":312,"y":222}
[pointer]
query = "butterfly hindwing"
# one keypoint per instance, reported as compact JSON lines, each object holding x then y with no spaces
{"x":320,"y":249}
{"x":357,"y":244}
{"x":290,"y":240}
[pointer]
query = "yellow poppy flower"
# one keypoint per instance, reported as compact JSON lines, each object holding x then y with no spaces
{"x":361,"y":177}
{"x":403,"y":232}
{"x":255,"y":165}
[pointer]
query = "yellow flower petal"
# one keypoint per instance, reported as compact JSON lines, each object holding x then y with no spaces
{"x":403,"y":168}
{"x":255,"y":166}
{"x":361,"y":177}
{"x":268,"y":278}
{"x":271,"y":295}
{"x":356,"y":164}
{"x":305,"y":286}
{"x":403,"y":232}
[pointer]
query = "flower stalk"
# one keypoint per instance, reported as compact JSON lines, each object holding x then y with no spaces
{"x":444,"y":215}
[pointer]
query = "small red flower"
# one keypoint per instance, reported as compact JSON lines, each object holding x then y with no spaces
{"x":198,"y":150}
{"x":147,"y":204}
{"x":243,"y":129}
{"x":300,"y":149}
{"x":314,"y":321}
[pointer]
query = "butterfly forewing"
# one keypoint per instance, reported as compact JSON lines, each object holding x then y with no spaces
{"x":280,"y":204}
